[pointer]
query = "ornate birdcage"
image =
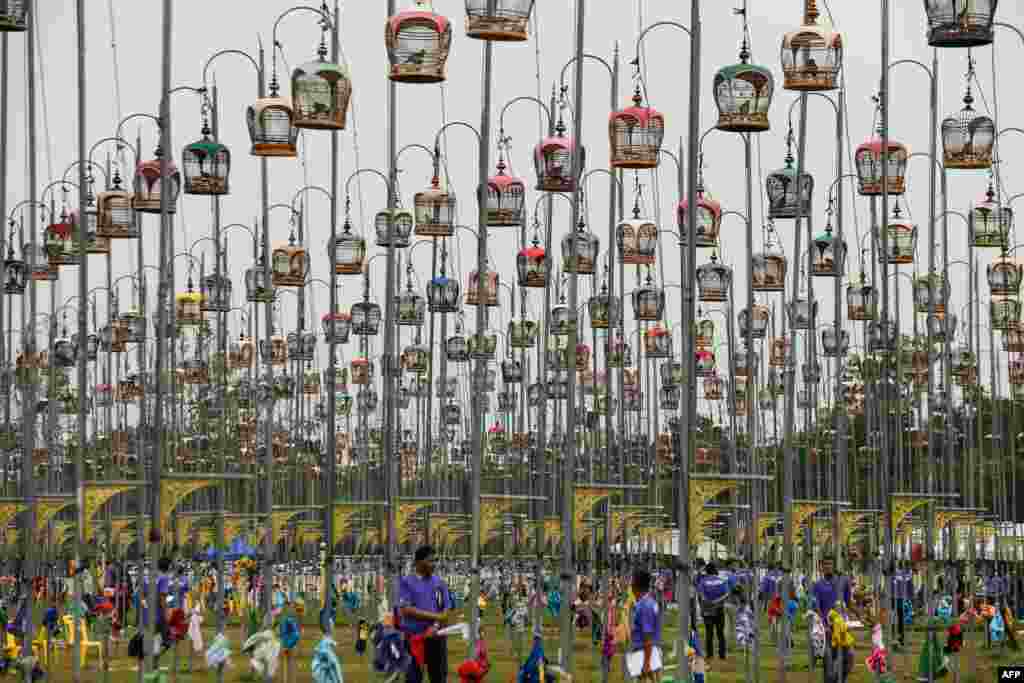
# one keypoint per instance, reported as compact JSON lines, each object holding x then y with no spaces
{"x":290,"y":265}
{"x":194,"y":371}
{"x":271,"y":126}
{"x":15,"y":272}
{"x":511,"y":371}
{"x":301,"y":345}
{"x":811,"y":373}
{"x":868,"y":160}
{"x":968,"y":138}
{"x":705,"y":332}
{"x":744,"y":362}
{"x":130,"y":388}
{"x":1013,"y":339}
{"x":631,"y":377}
{"x":942,"y":326}
{"x":216,"y":293}
{"x":415,"y":358}
{"x":755,"y":326}
{"x":61,"y":243}
{"x":148,"y":185}
{"x":714,"y":280}
{"x":1004,"y":312}
{"x":802,"y":313}
{"x":962,"y":361}
{"x":498,"y":20}
{"x":901,"y":241}
{"x":456,"y":348}
{"x":776,"y":384}
{"x":103,"y":395}
{"x":366,"y":317}
{"x":310,"y":382}
{"x":94,"y":244}
{"x":768,"y":269}
{"x":632,"y":401}
{"x":713,"y":388}
{"x":960,"y":23}
{"x":532,"y":266}
{"x":882,"y":336}
{"x":637,"y":240}
{"x":207,"y":165}
{"x":367,"y":400}
{"x":669,"y":398}
{"x":743,"y":94}
{"x":393,"y":224}
{"x":635,"y":134}
{"x":741,"y":395}
{"x":618,"y":353}
{"x":861,"y":301}
{"x":604,"y":310}
{"x":417,"y":42}
{"x":336,"y":327}
{"x":188,"y":309}
{"x":482,"y":290}
{"x":535,"y":394}
{"x":780,"y":352}
{"x":765,"y":400}
{"x":704,"y":363}
{"x":657,"y":342}
{"x":63,"y":355}
{"x":257,"y":287}
{"x":40,"y":268}
{"x":579,"y":250}
{"x":648,"y":301}
{"x":709,"y":220}
{"x":558,"y":385}
{"x":443,"y":294}
{"x":276,"y":350}
{"x":506,"y":402}
{"x":990,"y":224}
{"x":482,"y":346}
{"x":349,"y":252}
{"x":784,"y":202}
{"x":115,"y":218}
{"x":828,"y":255}
{"x":506,"y":196}
{"x":435,"y":210}
{"x":320,"y":94}
{"x":362,"y":369}
{"x":411,"y":308}
{"x":554,"y":159}
{"x":241,"y":353}
{"x":563,"y":319}
{"x":671,"y":373}
{"x":804,"y":399}
{"x":522,"y":334}
{"x":13,"y":16}
{"x":812,"y":55}
{"x":92,"y":345}
{"x":834,"y":343}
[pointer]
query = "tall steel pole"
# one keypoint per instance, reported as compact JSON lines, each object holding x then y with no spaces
{"x":332,"y":363}
{"x":4,"y":343}
{"x":83,"y":315}
{"x":480,"y":367}
{"x":28,"y":419}
{"x":569,"y":459}
{"x":689,"y":403}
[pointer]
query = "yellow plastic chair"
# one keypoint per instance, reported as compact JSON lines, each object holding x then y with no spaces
{"x":40,"y":644}
{"x":84,"y":643}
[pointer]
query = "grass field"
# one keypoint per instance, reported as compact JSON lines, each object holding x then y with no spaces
{"x":976,"y":664}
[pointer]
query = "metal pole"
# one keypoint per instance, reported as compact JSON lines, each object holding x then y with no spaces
{"x":751,"y":386}
{"x":4,"y":59}
{"x":332,"y":361}
{"x":28,"y":419}
{"x":929,"y":483}
{"x":689,"y":403}
{"x":83,"y":314}
{"x":569,"y":461}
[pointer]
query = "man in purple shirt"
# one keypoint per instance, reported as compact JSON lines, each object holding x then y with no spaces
{"x":424,"y":602}
{"x":646,"y":623}
{"x":831,"y":591}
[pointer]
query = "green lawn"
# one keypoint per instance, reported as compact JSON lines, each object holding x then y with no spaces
{"x":505,"y":658}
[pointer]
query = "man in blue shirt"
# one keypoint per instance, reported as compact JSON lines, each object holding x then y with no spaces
{"x":646,"y":623}
{"x":424,"y":602}
{"x":714,"y":590}
{"x":828,"y":592}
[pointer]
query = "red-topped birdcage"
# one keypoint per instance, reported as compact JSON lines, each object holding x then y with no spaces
{"x":960,"y":23}
{"x":635,"y":134}
{"x":705,"y":362}
{"x":637,"y":240}
{"x":709,"y":220}
{"x":417,"y":41}
{"x":506,"y":196}
{"x":532,"y":266}
{"x":657,"y":342}
{"x":868,"y":160}
{"x":553,"y":160}
{"x":62,"y":243}
{"x":498,"y":20}
{"x":148,"y":185}
{"x":271,"y":127}
{"x":812,"y":55}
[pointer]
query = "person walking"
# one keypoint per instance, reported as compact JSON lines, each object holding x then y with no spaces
{"x":714,"y":590}
{"x":644,"y":660}
{"x":830,"y":592}
{"x":424,"y":605}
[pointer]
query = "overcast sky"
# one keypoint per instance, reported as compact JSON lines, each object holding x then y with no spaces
{"x":202,"y":28}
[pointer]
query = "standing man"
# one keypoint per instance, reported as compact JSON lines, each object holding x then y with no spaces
{"x":646,"y":632}
{"x":714,"y":590}
{"x":424,"y":604}
{"x":828,"y":592}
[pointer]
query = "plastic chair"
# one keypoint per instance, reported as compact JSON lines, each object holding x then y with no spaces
{"x":41,"y":645}
{"x":84,"y":643}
